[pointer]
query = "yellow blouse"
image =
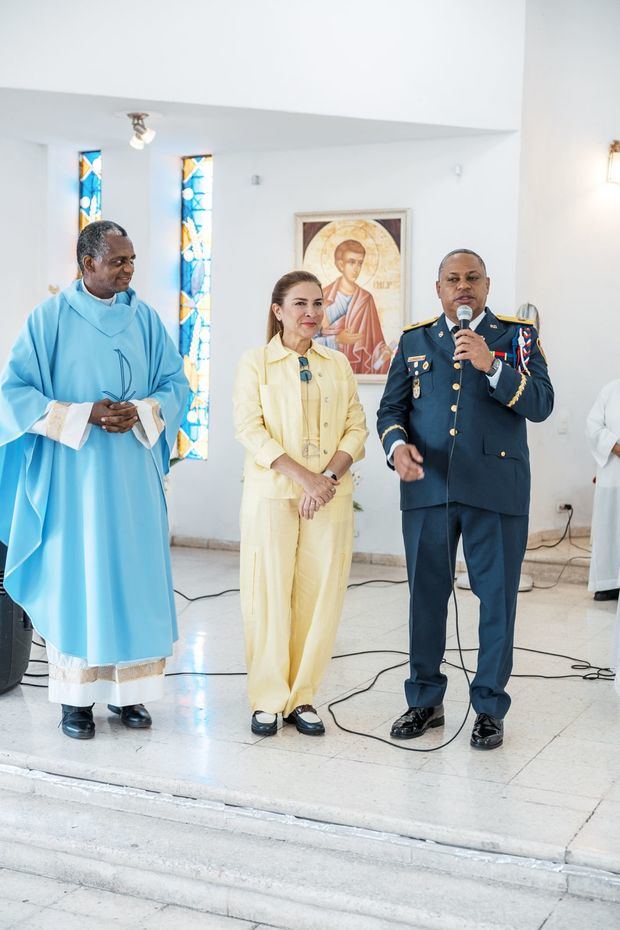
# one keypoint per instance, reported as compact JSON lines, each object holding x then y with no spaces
{"x":274,"y":414}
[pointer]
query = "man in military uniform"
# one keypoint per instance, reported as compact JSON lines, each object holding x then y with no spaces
{"x":452,"y":424}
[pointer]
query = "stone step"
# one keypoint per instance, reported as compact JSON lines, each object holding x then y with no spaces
{"x":34,"y":902}
{"x":271,"y":868}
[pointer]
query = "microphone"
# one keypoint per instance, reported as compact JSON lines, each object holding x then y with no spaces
{"x":464,"y":315}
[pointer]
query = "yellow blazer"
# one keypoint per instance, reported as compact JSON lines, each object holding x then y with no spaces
{"x":269,"y":420}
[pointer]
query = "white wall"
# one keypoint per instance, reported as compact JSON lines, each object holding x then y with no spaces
{"x":569,"y":235}
{"x":142,"y":192}
{"x":254,"y":245}
{"x":457,"y":62}
{"x":23,"y":195}
{"x":61,"y":215}
{"x":39,"y":226}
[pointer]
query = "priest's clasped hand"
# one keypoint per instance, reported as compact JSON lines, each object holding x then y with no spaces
{"x":472,"y":348}
{"x":114,"y":417}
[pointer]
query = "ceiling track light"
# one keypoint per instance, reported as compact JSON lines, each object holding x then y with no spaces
{"x":142,"y":135}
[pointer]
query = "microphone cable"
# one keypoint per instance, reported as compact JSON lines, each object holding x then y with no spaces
{"x":381,"y":739}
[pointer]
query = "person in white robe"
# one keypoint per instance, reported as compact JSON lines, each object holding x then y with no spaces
{"x":603,"y":432}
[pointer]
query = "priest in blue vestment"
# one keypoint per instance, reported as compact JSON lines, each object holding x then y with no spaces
{"x":90,"y":404}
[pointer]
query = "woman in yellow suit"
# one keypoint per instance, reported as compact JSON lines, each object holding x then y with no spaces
{"x":299,"y":418}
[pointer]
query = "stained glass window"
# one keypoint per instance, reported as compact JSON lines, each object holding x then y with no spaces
{"x":195,"y":302}
{"x":90,"y":187}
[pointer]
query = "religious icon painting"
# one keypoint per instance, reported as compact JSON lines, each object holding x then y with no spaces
{"x":362,"y":262}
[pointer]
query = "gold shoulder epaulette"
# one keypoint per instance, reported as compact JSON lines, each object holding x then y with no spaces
{"x":433,"y":319}
{"x":515,"y":319}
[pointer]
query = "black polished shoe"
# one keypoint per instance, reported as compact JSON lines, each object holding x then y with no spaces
{"x":307,"y":727}
{"x":77,"y":722}
{"x":611,"y":595}
{"x":488,"y":732}
{"x":416,"y":721}
{"x":264,"y":727}
{"x":135,"y":716}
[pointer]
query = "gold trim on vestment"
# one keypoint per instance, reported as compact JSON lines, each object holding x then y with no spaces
{"x":154,"y":405}
{"x":389,"y":430}
{"x":114,"y":673}
{"x":56,"y":420}
{"x":519,"y":392}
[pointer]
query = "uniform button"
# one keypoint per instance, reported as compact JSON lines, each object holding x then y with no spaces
{"x":456,"y":387}
{"x":457,"y":365}
{"x":326,"y":399}
{"x":425,"y":366}
{"x":326,"y":425}
{"x":324,"y":451}
{"x":453,"y":431}
{"x":503,"y":454}
{"x":453,"y":408}
{"x":320,"y":374}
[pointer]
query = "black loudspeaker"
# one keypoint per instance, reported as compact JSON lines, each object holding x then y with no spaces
{"x":15,"y":636}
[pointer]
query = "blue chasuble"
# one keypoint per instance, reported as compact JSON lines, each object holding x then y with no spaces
{"x":87,"y":531}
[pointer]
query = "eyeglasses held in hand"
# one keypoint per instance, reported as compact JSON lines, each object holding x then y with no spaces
{"x":304,"y":369}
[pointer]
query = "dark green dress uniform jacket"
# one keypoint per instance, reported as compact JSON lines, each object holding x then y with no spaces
{"x":490,"y":467}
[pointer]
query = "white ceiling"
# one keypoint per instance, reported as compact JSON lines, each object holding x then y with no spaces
{"x":93,"y":121}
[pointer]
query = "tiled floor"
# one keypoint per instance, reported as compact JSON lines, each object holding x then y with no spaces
{"x":552,"y":790}
{"x":30,"y":902}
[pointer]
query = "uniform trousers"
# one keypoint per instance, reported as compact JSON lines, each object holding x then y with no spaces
{"x":294,"y":575}
{"x":494,"y":546}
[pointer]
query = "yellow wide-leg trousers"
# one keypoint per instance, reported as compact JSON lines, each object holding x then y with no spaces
{"x":294,"y":575}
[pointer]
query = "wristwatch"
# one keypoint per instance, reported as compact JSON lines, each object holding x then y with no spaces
{"x":330,"y":474}
{"x":494,"y":368}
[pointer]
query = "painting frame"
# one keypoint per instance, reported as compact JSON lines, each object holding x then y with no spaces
{"x":312,"y":234}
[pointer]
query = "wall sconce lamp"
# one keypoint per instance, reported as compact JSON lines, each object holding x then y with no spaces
{"x":613,"y":168}
{"x":141,"y":134}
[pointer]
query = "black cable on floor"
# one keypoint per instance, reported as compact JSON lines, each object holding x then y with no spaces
{"x":543,"y":587}
{"x":560,"y":540}
{"x":354,"y":584}
{"x":591,"y":672}
{"x":204,"y":597}
{"x":587,"y":549}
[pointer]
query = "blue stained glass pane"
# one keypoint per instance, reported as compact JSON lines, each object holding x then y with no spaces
{"x":195,"y":301}
{"x":90,"y":187}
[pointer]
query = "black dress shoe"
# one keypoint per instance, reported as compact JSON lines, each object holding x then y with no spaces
{"x":611,"y":595}
{"x":308,"y":727}
{"x":77,"y":722}
{"x":135,"y":716}
{"x":416,"y":721}
{"x":264,"y":727}
{"x":488,"y":732}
